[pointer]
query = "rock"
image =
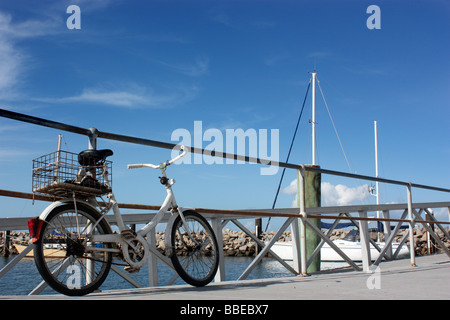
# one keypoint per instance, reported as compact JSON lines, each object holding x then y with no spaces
{"x":229,"y":253}
{"x":243,"y":248}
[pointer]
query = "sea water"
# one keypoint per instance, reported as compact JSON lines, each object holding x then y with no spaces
{"x":24,"y":277}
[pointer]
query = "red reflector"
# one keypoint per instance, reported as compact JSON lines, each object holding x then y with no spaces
{"x":31,"y":226}
{"x":34,"y":228}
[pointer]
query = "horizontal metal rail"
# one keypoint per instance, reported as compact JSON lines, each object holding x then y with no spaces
{"x":20,"y":223}
{"x":154,"y":143}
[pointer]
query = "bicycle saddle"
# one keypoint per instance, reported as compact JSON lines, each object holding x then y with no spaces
{"x":93,"y":157}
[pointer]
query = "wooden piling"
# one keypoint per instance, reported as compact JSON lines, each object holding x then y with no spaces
{"x":6,"y":247}
{"x":312,"y":189}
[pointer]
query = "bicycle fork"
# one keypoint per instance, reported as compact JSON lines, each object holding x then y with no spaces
{"x":186,"y":226}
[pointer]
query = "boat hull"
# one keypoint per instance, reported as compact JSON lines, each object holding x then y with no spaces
{"x":350,"y":248}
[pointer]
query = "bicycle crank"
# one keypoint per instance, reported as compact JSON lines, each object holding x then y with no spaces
{"x":135,"y":252}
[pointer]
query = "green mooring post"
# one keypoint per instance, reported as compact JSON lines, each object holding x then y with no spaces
{"x":312,"y":199}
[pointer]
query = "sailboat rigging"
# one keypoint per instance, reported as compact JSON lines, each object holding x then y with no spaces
{"x":312,"y":83}
{"x":284,"y":249}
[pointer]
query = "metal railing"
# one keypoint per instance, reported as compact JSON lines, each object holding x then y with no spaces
{"x":294,"y":216}
{"x":220,"y":218}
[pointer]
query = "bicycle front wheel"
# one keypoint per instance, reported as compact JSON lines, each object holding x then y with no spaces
{"x":61,"y":253}
{"x":196,"y":253}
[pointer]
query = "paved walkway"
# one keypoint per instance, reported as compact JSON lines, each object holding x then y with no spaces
{"x":430,"y":279}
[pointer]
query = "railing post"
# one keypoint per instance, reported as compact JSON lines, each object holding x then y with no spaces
{"x":387,"y":233}
{"x":216,"y":224}
{"x":7,"y":244}
{"x":365,"y":243}
{"x":411,"y":227}
{"x":93,"y":133}
{"x":448,"y":210}
{"x":152,"y":260}
{"x":303,"y":217}
{"x":295,"y":235}
{"x":431,"y":244}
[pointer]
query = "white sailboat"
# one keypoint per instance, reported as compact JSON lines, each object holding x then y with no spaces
{"x":349,"y":245}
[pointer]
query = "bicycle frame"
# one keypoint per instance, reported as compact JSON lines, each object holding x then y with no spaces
{"x":169,"y":205}
{"x":126,"y":237}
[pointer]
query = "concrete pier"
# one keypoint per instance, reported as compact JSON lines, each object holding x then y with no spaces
{"x":430,"y":279}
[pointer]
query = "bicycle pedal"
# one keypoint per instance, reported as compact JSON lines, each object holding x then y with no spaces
{"x":128,"y":234}
{"x":130,"y":269}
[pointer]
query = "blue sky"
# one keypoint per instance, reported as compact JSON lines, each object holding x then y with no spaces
{"x":147,"y":68}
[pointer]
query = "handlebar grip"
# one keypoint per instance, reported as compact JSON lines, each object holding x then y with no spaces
{"x":134,"y":166}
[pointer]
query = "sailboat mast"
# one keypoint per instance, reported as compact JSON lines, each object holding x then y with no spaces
{"x":376,"y":161}
{"x":314,"y":117}
{"x":376,"y":175}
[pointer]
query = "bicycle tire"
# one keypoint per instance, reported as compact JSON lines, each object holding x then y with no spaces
{"x":65,"y":265}
{"x":195,"y":264}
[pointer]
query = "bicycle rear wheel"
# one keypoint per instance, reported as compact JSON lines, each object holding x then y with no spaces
{"x":195,"y":261}
{"x":60,"y":253}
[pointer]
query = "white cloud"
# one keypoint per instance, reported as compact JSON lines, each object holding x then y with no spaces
{"x":27,"y":28}
{"x":291,"y":188}
{"x":129,"y":96}
{"x":115,"y":98}
{"x":10,"y":66}
{"x":333,"y":195}
{"x":342,"y":195}
{"x":13,"y":60}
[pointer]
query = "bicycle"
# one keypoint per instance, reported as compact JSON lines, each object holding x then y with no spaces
{"x":74,"y":245}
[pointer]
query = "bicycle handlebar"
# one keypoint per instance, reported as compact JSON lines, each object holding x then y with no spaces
{"x":161,"y":165}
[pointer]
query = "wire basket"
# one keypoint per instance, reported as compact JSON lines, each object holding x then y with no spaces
{"x":59,"y":174}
